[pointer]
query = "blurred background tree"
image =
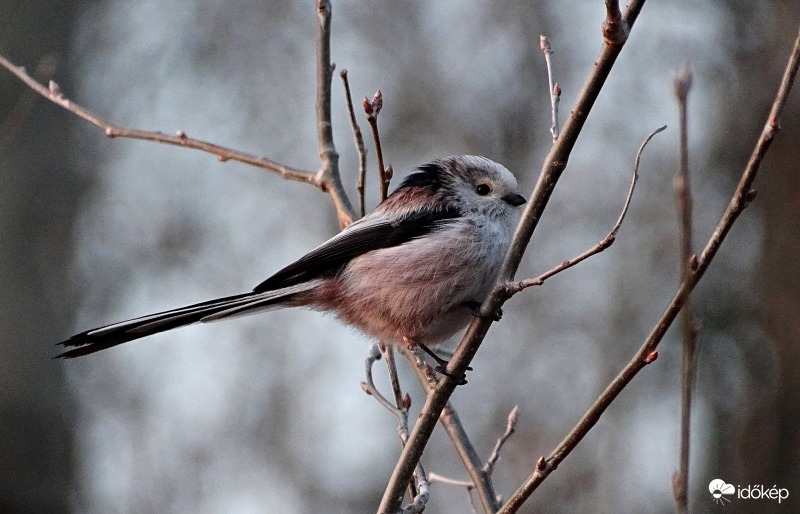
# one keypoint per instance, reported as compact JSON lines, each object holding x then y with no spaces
{"x":266,"y":413}
{"x":39,"y":199}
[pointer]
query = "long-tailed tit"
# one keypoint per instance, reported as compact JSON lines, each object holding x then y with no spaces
{"x":414,"y":270}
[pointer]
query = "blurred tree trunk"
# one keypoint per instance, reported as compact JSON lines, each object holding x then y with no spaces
{"x":38,"y":190}
{"x":769,"y":449}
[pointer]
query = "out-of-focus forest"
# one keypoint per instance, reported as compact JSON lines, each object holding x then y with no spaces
{"x":266,"y":414}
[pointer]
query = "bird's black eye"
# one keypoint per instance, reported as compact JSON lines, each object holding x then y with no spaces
{"x":483,"y":189}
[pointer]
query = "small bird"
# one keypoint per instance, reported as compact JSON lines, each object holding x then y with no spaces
{"x":414,"y":271}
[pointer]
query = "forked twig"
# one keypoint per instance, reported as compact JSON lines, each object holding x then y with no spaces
{"x":451,"y":423}
{"x":419,"y":491}
{"x":326,"y":179}
{"x":328,"y":174}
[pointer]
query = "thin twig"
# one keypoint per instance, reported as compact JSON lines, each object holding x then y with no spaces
{"x":680,"y":480}
{"x":362,"y":151}
{"x":553,"y":167}
{"x":369,"y":385}
{"x":372,"y":109}
{"x":555,"y":90}
{"x":45,"y":69}
{"x":516,"y":287}
{"x":435,"y":477}
{"x":328,"y":173}
{"x":511,"y":424}
{"x":53,"y":93}
{"x":741,"y":198}
{"x":388,"y":354}
{"x":468,"y":486}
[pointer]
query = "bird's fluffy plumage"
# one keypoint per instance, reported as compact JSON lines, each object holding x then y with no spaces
{"x":413,"y":268}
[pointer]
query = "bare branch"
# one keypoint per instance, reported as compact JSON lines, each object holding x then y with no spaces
{"x":434,"y":477}
{"x":53,"y":93}
{"x":328,"y":174}
{"x":514,"y":288}
{"x":400,"y":411}
{"x":680,"y":480}
{"x":372,"y":109}
{"x":555,"y":90}
{"x":362,"y":151}
{"x":388,"y":354}
{"x":648,"y":353}
{"x":326,"y":179}
{"x":554,"y":165}
{"x":369,"y":385}
{"x":45,"y":69}
{"x":510,"y":427}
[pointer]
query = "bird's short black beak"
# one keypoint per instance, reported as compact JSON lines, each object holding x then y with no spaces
{"x":514,"y":199}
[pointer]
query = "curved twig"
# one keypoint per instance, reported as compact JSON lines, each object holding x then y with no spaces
{"x":516,"y":287}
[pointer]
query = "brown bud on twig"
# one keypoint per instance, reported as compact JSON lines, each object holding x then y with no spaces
{"x":55,"y":90}
{"x":365,"y":388}
{"x":407,"y":401}
{"x":513,"y":416}
{"x":683,"y":82}
{"x":377,"y":102}
{"x":557,"y":90}
{"x":693,"y":262}
{"x":651,"y":357}
{"x":389,"y":173}
{"x":544,"y":45}
{"x":750,"y":196}
{"x":367,"y":106}
{"x":541,"y":464}
{"x":181,"y":134}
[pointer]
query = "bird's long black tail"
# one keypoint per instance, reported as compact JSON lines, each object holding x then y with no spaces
{"x":117,"y":333}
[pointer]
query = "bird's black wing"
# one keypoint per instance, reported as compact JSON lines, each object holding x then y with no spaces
{"x":357,"y":239}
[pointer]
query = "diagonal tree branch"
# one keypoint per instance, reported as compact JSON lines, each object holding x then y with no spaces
{"x":554,"y":165}
{"x":742,"y":196}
